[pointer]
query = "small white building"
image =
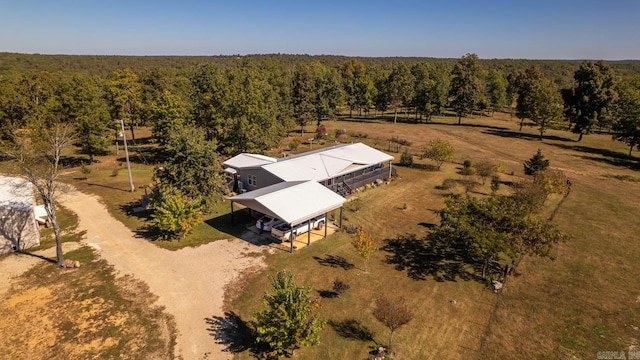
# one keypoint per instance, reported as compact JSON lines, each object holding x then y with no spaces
{"x":18,"y":227}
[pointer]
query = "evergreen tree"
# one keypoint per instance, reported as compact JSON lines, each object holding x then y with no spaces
{"x":290,"y":320}
{"x":535,"y":164}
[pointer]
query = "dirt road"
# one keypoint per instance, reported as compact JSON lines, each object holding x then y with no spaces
{"x":189,"y":282}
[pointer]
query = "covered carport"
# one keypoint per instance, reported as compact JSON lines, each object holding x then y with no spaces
{"x":293,"y":202}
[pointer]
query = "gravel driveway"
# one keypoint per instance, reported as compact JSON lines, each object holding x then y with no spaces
{"x":189,"y":282}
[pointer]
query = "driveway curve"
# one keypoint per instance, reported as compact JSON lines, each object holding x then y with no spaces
{"x":189,"y":282}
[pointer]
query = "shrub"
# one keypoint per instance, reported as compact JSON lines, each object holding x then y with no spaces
{"x":406,"y":159}
{"x":551,"y":181}
{"x":293,"y":145}
{"x":467,"y":163}
{"x":485,"y":170}
{"x":340,"y":132}
{"x":495,"y":183}
{"x":321,"y":132}
{"x":340,"y":286}
{"x":174,"y":215}
{"x":85,"y":169}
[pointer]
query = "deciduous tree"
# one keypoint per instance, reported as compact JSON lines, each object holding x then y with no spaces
{"x":466,"y":85}
{"x":37,"y":153}
{"x":174,"y":215}
{"x":496,"y":90}
{"x":400,"y":87}
{"x":363,"y":243}
{"x":627,"y":112}
{"x":393,"y":312}
{"x":591,"y":99}
{"x":192,"y":167}
{"x":439,"y":151}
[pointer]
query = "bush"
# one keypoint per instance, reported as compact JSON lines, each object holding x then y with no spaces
{"x":174,"y":215}
{"x":340,"y":132}
{"x":321,"y":132}
{"x":360,"y":135}
{"x":467,"y":163}
{"x":406,"y":159}
{"x":340,"y":286}
{"x":293,"y":145}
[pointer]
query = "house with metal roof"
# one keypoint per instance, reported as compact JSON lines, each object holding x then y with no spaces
{"x":18,"y":228}
{"x":340,"y":168}
{"x":296,"y":189}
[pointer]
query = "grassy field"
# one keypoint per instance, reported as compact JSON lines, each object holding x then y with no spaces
{"x":108,"y":179}
{"x":578,"y":304}
{"x":582,"y":302}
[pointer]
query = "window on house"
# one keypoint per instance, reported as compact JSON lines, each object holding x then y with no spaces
{"x":252,"y":180}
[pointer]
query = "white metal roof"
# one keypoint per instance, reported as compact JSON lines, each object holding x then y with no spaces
{"x":245,"y":160}
{"x":293,"y":202}
{"x":15,"y":193}
{"x":327,"y":163}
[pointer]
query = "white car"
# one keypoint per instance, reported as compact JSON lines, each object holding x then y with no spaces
{"x":283,"y":231}
{"x":266,"y":222}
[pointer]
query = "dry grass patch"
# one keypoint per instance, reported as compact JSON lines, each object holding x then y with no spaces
{"x":83,"y":313}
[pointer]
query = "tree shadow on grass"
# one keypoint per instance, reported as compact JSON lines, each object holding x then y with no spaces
{"x":233,"y":333}
{"x":352,"y":329}
{"x":442,"y":260}
{"x":327,"y":294}
{"x":609,"y":157}
{"x":525,"y":136}
{"x":334,"y":262}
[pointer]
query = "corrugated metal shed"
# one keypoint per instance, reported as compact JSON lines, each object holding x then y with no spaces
{"x":244,"y":160}
{"x":293,"y":202}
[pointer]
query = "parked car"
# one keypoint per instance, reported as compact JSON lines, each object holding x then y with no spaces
{"x":283,"y":231}
{"x":266,"y":222}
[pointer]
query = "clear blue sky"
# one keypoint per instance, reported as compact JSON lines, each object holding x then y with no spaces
{"x":531,"y":29}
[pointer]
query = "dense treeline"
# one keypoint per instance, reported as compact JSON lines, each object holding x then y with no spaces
{"x":249,"y":103}
{"x":561,"y":70}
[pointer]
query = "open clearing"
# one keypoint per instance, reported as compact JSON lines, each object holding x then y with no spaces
{"x":584,"y":301}
{"x":560,"y":308}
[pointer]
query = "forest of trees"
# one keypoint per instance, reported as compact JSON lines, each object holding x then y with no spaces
{"x":249,"y":103}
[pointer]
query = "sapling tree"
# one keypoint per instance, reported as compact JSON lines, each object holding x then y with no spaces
{"x":535,"y":164}
{"x":363,"y":243}
{"x":393,"y":313}
{"x":439,"y":151}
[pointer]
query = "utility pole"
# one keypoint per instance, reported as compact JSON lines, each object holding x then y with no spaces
{"x":126,"y":153}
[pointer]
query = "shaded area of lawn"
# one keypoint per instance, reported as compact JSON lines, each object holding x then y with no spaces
{"x":429,"y":256}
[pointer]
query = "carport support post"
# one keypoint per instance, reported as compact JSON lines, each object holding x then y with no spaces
{"x":390,"y":169}
{"x":232,"y":219}
{"x":309,"y":232}
{"x":340,"y":226}
{"x":325,"y":224}
{"x":291,"y":238}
